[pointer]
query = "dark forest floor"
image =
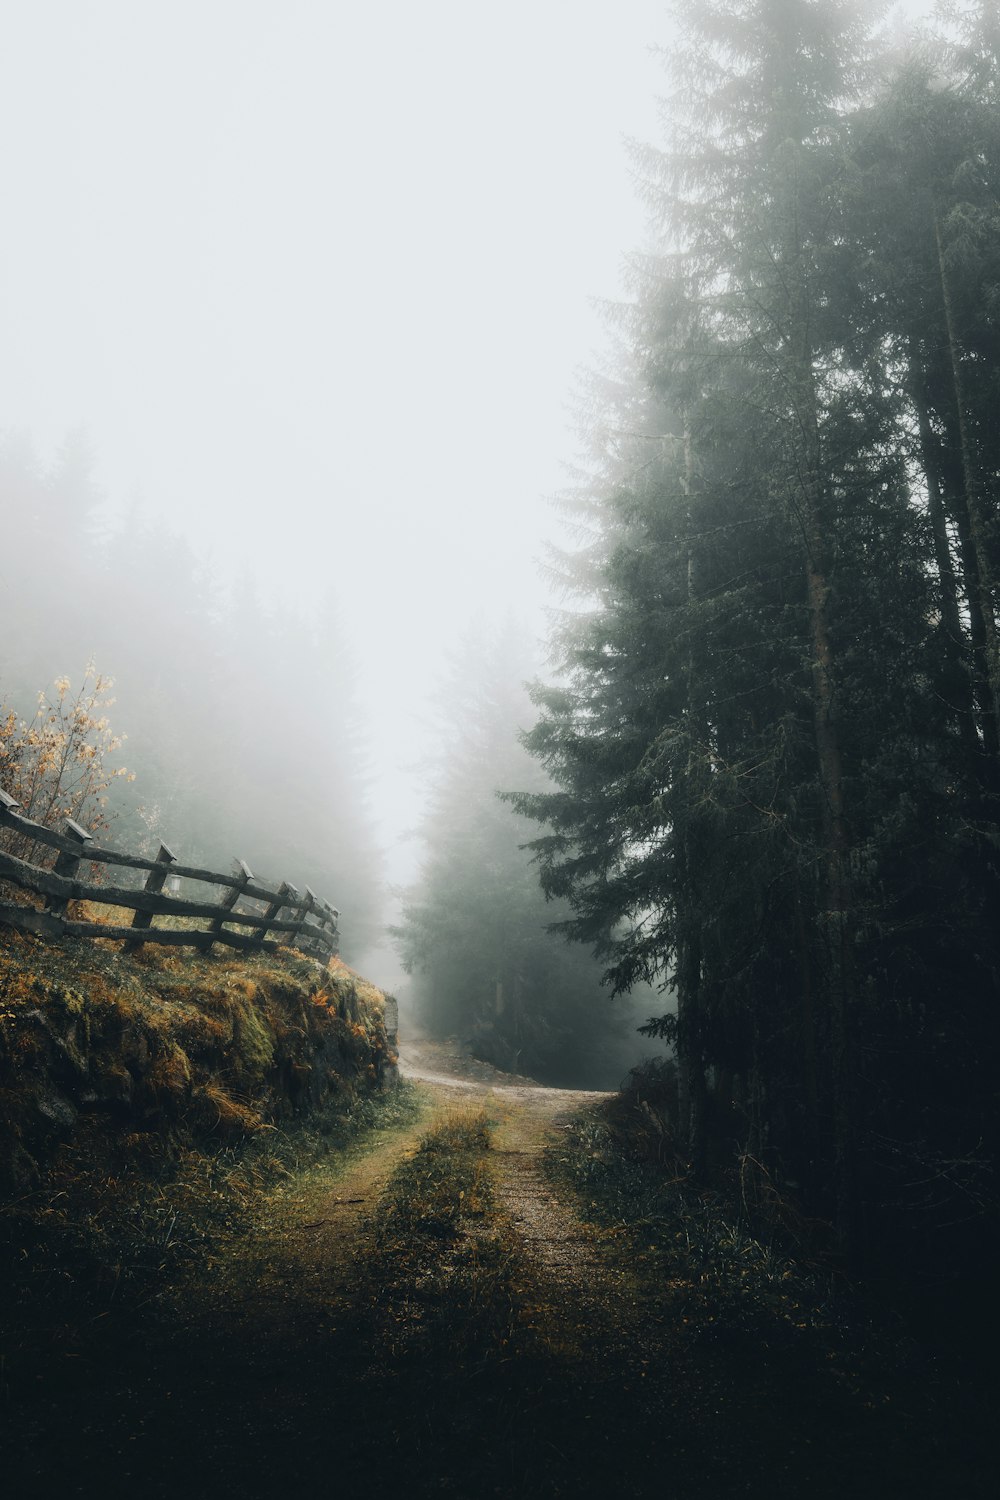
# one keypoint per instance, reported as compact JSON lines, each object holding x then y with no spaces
{"x":458,"y":1307}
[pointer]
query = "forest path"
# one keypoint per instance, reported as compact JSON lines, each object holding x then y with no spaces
{"x":366,"y":1341}
{"x":307,"y":1353}
{"x":577,"y":1285}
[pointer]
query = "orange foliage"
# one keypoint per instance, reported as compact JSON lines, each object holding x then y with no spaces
{"x":55,"y":765}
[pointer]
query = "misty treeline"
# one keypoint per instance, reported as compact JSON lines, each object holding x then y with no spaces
{"x":236,"y":721}
{"x":774,"y":738}
{"x":475,"y":927}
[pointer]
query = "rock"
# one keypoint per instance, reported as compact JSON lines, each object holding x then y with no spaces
{"x":57,"y":1108}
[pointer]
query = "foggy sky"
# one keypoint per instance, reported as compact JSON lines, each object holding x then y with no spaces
{"x":315,"y":278}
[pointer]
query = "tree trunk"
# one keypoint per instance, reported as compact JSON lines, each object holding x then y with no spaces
{"x":837,"y":916}
{"x":807,"y":1028}
{"x":958,"y":687}
{"x":958,"y":506}
{"x":977,"y":520}
{"x":692,"y":1092}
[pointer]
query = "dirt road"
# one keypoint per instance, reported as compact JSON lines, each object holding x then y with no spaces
{"x":578,"y":1281}
{"x":435,"y":1316}
{"x":277,"y":1365}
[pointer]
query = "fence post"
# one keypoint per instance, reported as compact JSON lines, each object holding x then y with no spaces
{"x":328,"y":921}
{"x":285,"y":892}
{"x":67,"y":864}
{"x":309,"y":907}
{"x":154,"y":882}
{"x":8,"y":806}
{"x":294,"y":903}
{"x":333,"y":922}
{"x":244,"y":875}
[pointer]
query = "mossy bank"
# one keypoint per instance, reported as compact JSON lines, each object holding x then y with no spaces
{"x":145,"y":1055}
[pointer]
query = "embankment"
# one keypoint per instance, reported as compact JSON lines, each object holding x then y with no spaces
{"x":111,"y":1058}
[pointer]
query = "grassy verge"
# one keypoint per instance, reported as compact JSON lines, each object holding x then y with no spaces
{"x":859,"y":1395}
{"x":130,"y":1057}
{"x":713,"y":1271}
{"x":93,"y":1248}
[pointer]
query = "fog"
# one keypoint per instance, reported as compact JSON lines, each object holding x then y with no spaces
{"x":314,"y":279}
{"x":316,"y":282}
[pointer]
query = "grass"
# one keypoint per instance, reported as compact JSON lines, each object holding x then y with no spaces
{"x":149,"y":1104}
{"x":714,"y":1273}
{"x":173,"y":1047}
{"x":101,"y":1245}
{"x":380,"y":1362}
{"x":852,"y":1381}
{"x":439,"y":1280}
{"x":415,"y":1343}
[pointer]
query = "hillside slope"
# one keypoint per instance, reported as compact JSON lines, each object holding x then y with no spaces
{"x":136,"y":1056}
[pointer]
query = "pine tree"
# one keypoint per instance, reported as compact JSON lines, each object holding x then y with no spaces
{"x":756,"y":765}
{"x":927,"y":212}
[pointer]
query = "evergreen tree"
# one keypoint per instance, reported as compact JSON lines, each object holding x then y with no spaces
{"x":926,"y":216}
{"x":755,"y":760}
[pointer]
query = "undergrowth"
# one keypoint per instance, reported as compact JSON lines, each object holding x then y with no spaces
{"x":730,"y":1284}
{"x":744,"y":1300}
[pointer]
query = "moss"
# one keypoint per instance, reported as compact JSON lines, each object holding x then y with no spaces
{"x":173,"y":1044}
{"x":253,"y":1043}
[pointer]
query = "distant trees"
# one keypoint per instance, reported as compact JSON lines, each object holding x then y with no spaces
{"x":774,"y":742}
{"x":239,"y":717}
{"x":474,"y":930}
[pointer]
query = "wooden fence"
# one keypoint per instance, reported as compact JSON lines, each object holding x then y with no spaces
{"x":304,"y":920}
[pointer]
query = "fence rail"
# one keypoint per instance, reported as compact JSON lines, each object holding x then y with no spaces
{"x":306,"y":920}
